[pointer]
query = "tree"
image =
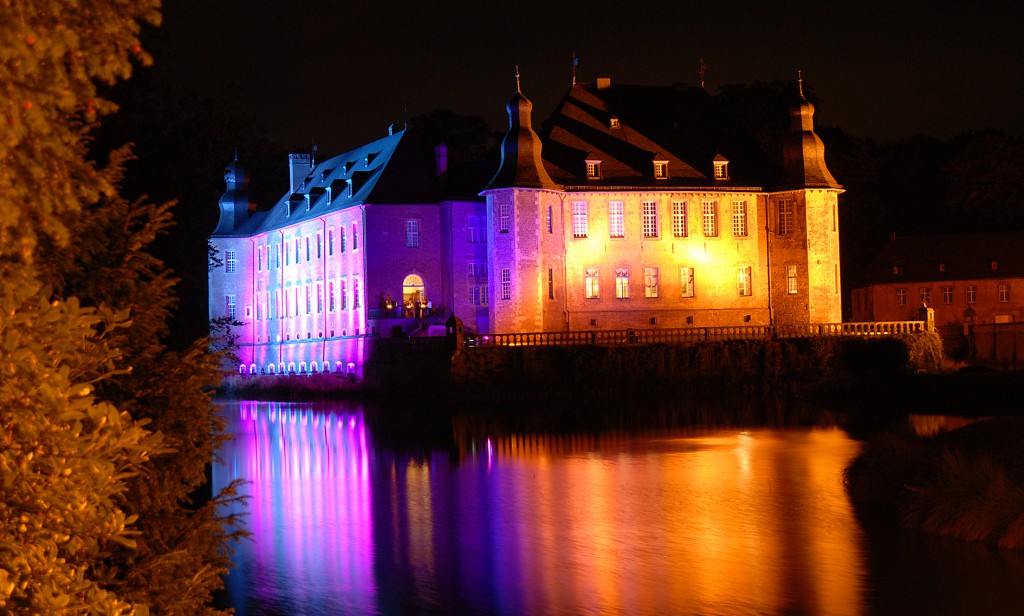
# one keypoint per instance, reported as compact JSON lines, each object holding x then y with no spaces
{"x":106,"y":433}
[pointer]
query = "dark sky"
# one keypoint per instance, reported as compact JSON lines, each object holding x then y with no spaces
{"x":338,"y":72}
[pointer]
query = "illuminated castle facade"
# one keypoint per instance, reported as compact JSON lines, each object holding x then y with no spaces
{"x":626,"y":211}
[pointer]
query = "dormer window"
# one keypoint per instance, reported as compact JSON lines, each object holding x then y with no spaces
{"x":995,"y":265}
{"x":942,"y":268}
{"x":897,"y":269}
{"x":721,"y":165}
{"x":613,"y":122}
{"x":661,"y":169}
{"x":593,"y":169}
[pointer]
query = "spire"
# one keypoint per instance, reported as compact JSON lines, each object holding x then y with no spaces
{"x":521,"y":163}
{"x":804,"y":164}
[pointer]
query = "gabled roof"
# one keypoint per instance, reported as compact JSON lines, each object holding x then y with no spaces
{"x":969,"y":256}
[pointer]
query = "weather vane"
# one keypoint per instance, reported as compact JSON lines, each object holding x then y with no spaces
{"x":702,"y":70}
{"x":518,"y":90}
{"x":800,"y":82}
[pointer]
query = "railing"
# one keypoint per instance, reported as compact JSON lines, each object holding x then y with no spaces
{"x":693,"y":335}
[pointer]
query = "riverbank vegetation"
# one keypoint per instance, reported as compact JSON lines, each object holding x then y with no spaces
{"x":967,"y":484}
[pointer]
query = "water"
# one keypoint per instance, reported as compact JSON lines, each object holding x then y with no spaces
{"x":694,"y":520}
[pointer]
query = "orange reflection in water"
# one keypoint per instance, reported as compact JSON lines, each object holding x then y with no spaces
{"x":725,"y":522}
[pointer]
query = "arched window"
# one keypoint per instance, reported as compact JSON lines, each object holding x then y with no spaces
{"x":302,"y":367}
{"x":271,"y":369}
{"x":414,"y":297}
{"x":314,"y":367}
{"x":291,"y":367}
{"x":252,"y":368}
{"x":242,"y":370}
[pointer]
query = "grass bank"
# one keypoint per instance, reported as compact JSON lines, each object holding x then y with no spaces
{"x":967,"y":484}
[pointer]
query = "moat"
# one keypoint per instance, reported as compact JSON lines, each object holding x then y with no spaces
{"x":359,"y":509}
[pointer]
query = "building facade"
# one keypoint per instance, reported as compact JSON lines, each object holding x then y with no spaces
{"x":968,"y":278}
{"x":606,"y":219}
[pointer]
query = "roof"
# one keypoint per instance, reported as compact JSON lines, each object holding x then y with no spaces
{"x":969,"y":256}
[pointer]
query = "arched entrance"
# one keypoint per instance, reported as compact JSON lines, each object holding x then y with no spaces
{"x":414,"y":297}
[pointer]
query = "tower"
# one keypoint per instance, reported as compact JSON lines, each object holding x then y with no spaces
{"x":524,"y":237}
{"x":234,"y":203}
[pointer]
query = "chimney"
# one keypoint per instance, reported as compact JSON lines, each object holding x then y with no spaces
{"x":299,"y":166}
{"x":603,"y":83}
{"x":440,"y":159}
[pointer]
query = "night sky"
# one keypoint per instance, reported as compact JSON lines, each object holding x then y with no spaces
{"x":338,"y":72}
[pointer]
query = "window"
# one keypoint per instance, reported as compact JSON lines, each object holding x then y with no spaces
{"x":355,"y":238}
{"x":474,"y":230}
{"x":739,"y":218}
{"x":925,"y":293}
{"x":622,"y":283}
{"x":661,"y":169}
{"x":341,"y":238}
{"x":579,"y":219}
{"x":616,"y":226}
{"x":550,"y":221}
{"x":593,"y":283}
{"x":972,"y":294}
{"x":309,"y":300}
{"x":343,"y":295}
{"x":412,"y":234}
{"x":504,"y":216}
{"x":474,"y":271}
{"x":901,"y":297}
{"x":650,"y":282}
{"x":680,"y":226}
{"x":230,"y":308}
{"x":744,"y":285}
{"x":319,"y":245}
{"x":259,"y":259}
{"x":319,"y":298}
{"x":709,"y":210}
{"x":1004,"y":292}
{"x":330,"y":242}
{"x":686,"y":281}
{"x":506,"y":283}
{"x":650,"y":219}
{"x":551,"y":283}
{"x":593,"y":170}
{"x":331,"y":306}
{"x":947,"y":295}
{"x":721,"y":169}
{"x":286,"y":253}
{"x":791,"y":287}
{"x":356,"y":303}
{"x":478,"y":294}
{"x":230,"y":262}
{"x":785,"y":217}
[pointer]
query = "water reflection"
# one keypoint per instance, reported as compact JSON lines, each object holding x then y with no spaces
{"x":681,"y":520}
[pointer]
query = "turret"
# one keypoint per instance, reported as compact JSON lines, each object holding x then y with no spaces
{"x":804,"y":163}
{"x":234,"y":203}
{"x":521,"y":164}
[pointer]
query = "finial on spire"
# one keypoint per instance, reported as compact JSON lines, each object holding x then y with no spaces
{"x":702,"y":69}
{"x":518,"y":91}
{"x":575,"y":65}
{"x":800,"y":82}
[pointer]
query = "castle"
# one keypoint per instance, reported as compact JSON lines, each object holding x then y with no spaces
{"x":634,"y":207}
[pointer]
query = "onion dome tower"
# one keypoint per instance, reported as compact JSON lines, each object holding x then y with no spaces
{"x":234,"y":203}
{"x":521,"y":164}
{"x":804,"y":153}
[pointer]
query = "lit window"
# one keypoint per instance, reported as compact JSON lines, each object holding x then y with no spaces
{"x":622,"y":282}
{"x":947,"y":295}
{"x":650,"y":282}
{"x":230,"y":308}
{"x":679,"y":221}
{"x":504,"y":217}
{"x":721,"y":169}
{"x":785,"y":217}
{"x":925,"y":293}
{"x":593,"y":170}
{"x":972,"y":294}
{"x":613,"y":122}
{"x":355,"y":293}
{"x":650,"y":219}
{"x":319,"y":298}
{"x":1004,"y":292}
{"x":710,"y":218}
{"x":309,"y":301}
{"x":744,"y":285}
{"x":343,"y":295}
{"x":506,"y":283}
{"x":550,"y":221}
{"x":355,"y":238}
{"x":661,"y":169}
{"x":412,"y":234}
{"x":616,"y":226}
{"x":901,"y":297}
{"x":739,"y":218}
{"x":579,"y":219}
{"x":230,"y":261}
{"x":330,"y":242}
{"x":341,"y":238}
{"x":686,"y":281}
{"x":331,"y":306}
{"x":791,"y":287}
{"x":593,"y":283}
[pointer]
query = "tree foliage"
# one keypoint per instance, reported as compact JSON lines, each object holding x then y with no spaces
{"x":106,"y":433}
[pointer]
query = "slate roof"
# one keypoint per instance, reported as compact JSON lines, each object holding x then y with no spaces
{"x":968,"y":256}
